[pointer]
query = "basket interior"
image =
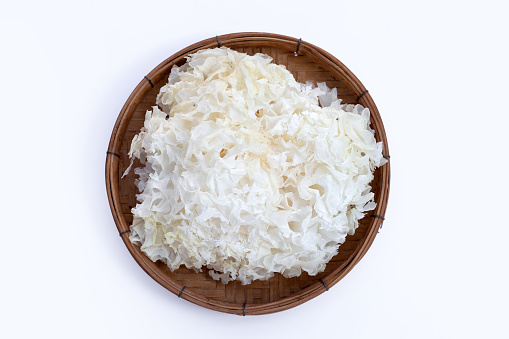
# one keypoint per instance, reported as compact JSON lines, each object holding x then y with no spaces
{"x":304,"y":68}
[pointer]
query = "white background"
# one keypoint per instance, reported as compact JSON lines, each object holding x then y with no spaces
{"x":437,"y":71}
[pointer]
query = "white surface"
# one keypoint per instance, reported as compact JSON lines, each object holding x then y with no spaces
{"x":438,"y":73}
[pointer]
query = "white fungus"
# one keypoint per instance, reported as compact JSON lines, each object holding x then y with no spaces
{"x":247,"y":172}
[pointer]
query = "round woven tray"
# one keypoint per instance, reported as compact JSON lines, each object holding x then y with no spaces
{"x":307,"y":63}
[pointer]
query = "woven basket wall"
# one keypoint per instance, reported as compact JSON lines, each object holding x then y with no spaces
{"x":278,"y":293}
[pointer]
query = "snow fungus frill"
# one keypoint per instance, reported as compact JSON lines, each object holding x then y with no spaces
{"x":247,"y":172}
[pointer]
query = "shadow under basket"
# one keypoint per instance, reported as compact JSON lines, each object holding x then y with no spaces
{"x":307,"y":63}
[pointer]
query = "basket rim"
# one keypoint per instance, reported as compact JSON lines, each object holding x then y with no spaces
{"x":112,"y":167}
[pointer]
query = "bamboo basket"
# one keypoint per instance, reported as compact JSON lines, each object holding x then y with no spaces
{"x":307,"y":63}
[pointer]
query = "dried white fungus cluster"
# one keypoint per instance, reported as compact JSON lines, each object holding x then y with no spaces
{"x":248,"y":172}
